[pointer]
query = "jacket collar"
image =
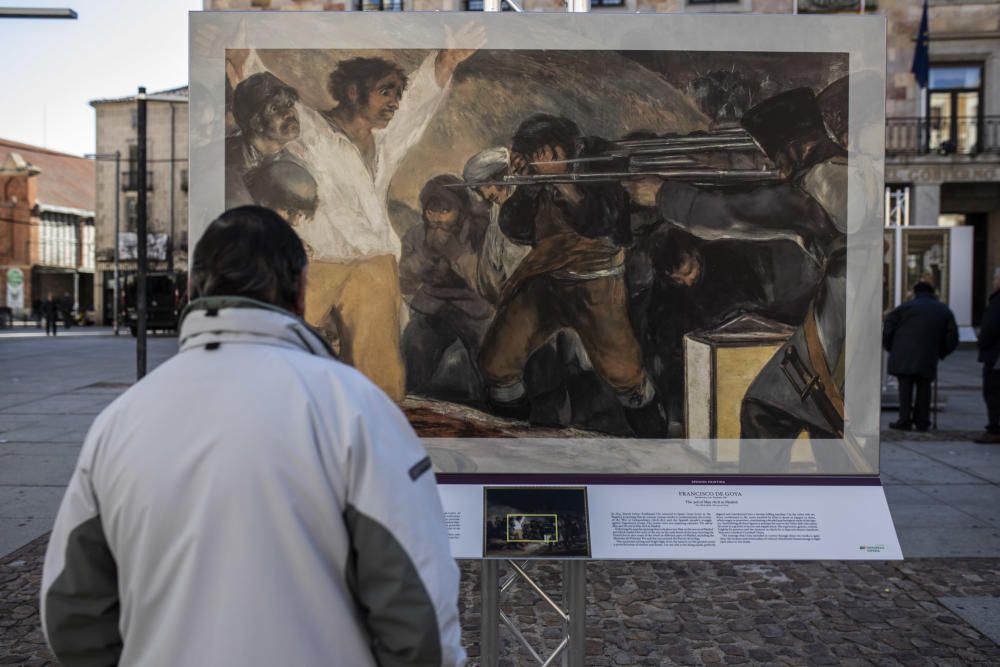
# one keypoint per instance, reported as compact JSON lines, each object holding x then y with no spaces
{"x":226,"y":319}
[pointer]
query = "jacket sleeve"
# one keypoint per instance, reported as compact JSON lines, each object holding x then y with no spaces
{"x":79,"y":597}
{"x":950,"y":340}
{"x":517,"y":215}
{"x":989,"y":333}
{"x":400,"y":569}
{"x":765,"y":213}
{"x":603,"y":211}
{"x":889,"y":329}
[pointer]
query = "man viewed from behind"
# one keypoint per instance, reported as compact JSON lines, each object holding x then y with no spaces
{"x":51,"y":315}
{"x":989,"y":355}
{"x":916,"y":335}
{"x":252,"y":501}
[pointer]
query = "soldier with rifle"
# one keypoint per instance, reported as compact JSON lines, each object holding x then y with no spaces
{"x":801,"y":388}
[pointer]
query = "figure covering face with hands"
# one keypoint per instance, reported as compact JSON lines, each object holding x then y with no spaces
{"x":500,"y":256}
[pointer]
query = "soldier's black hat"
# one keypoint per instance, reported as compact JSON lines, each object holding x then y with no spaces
{"x":788,"y":118}
{"x":253,"y":93}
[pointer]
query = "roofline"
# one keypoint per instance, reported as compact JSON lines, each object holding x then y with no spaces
{"x":15,"y":145}
{"x":168,"y":95}
{"x":67,"y":210}
{"x":176,"y":99}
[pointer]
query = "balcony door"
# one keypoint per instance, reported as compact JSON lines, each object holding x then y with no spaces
{"x":953,"y":108}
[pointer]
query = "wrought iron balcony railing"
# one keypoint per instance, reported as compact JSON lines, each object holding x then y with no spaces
{"x":130,"y":180}
{"x":959,"y":135}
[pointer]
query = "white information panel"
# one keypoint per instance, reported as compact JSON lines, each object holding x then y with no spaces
{"x":706,"y":521}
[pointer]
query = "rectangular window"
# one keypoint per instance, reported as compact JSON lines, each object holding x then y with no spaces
{"x":953,"y":114}
{"x":477,"y":6}
{"x":378,"y":5}
{"x":132,"y":213}
{"x":960,"y":76}
{"x":130,"y":177}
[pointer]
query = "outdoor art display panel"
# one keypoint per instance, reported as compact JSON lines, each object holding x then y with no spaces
{"x":574,"y":244}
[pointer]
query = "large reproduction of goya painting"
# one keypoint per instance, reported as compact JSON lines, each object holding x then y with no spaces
{"x":600,"y":245}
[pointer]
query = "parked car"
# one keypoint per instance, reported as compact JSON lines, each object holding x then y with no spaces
{"x":166,"y":296}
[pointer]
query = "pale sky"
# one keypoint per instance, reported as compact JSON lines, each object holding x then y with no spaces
{"x":53,"y":68}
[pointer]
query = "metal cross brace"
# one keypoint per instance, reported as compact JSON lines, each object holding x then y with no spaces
{"x":572,"y":646}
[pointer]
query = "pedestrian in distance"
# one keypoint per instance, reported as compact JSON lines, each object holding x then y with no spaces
{"x":66,"y":306}
{"x":51,"y":311}
{"x":989,"y":355}
{"x":917,"y":334}
{"x":252,"y":501}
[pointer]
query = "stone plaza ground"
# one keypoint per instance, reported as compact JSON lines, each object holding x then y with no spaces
{"x":941,"y":606}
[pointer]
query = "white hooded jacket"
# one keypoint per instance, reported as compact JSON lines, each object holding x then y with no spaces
{"x":251,"y":502}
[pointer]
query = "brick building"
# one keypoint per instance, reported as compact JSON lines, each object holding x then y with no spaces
{"x":166,"y":188}
{"x":46,"y":225}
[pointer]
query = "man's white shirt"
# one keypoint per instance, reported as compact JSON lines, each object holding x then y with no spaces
{"x":352,"y":219}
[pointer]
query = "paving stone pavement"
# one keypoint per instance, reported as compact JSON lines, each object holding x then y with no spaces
{"x":685,"y":613}
{"x":944,"y":493}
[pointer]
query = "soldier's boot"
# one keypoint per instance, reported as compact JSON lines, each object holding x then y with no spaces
{"x":509,"y":402}
{"x":649,"y":421}
{"x":644,"y":412}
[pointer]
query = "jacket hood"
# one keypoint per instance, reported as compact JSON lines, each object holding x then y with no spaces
{"x":216,"y":320}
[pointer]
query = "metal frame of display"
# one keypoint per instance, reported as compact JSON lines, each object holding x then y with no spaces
{"x":572,"y":648}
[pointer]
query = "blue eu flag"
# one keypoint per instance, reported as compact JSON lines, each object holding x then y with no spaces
{"x":921,"y":57}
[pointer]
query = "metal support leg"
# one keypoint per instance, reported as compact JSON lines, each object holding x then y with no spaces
{"x":574,"y":583}
{"x":571,"y":651}
{"x":489,"y":645}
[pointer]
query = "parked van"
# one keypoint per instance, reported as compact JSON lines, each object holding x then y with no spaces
{"x":166,"y":296}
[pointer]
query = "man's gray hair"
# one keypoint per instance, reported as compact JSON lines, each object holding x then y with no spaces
{"x":486,"y":164}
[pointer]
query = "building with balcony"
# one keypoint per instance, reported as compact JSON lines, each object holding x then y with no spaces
{"x":46,"y":227}
{"x":943,"y":155}
{"x":117,"y":184}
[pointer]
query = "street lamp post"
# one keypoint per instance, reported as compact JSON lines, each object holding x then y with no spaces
{"x":142,"y":248}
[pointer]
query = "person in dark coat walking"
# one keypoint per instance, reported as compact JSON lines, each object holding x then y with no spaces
{"x":917,"y":334}
{"x":989,"y":354}
{"x":51,"y":310}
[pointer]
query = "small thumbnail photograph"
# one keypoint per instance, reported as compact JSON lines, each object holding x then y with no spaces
{"x":536,"y":522}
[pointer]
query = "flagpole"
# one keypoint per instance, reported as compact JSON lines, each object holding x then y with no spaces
{"x":921,"y":72}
